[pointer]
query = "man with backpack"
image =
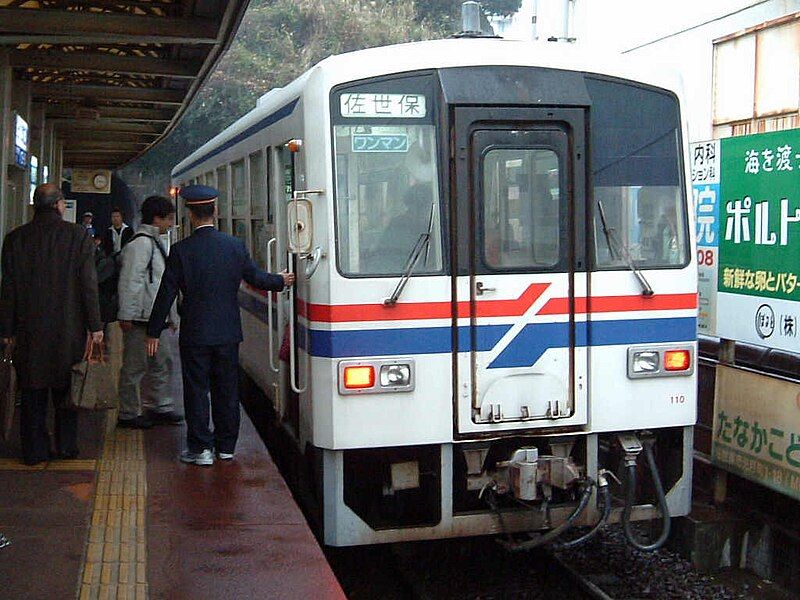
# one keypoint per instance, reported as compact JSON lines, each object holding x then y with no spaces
{"x":143,"y":261}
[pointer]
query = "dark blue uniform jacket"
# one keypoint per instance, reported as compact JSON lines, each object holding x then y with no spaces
{"x":207,"y":268}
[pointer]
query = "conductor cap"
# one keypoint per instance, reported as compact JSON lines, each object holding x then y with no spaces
{"x":195,"y":195}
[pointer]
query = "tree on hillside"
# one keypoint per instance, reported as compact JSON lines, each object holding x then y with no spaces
{"x":277,"y":41}
{"x":280,"y":39}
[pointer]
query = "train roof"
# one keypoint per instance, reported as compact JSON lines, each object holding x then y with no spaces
{"x":442,"y":54}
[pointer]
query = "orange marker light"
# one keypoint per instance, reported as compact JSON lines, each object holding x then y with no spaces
{"x":359,"y":378}
{"x":294,"y":145}
{"x":677,"y":360}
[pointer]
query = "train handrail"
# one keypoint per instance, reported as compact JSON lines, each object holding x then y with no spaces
{"x":270,"y":335}
{"x":292,"y":350}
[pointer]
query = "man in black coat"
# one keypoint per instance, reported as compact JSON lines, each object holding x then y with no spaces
{"x":207,"y":268}
{"x":48,"y":301}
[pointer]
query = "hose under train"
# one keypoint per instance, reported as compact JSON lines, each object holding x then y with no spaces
{"x":605,"y":494}
{"x":630,"y":499}
{"x":556,"y":532}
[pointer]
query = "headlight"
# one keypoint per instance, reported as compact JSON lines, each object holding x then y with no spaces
{"x":660,"y":360}
{"x":376,"y":376}
{"x":395,"y":375}
{"x":645,"y":362}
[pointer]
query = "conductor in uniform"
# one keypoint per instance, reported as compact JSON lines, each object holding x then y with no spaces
{"x":207,"y":269}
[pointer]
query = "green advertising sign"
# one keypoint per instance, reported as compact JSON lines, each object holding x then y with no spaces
{"x":758,"y":281}
{"x":760,"y":215}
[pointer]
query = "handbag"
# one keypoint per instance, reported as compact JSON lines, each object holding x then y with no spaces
{"x":8,"y":396}
{"x":93,"y":381}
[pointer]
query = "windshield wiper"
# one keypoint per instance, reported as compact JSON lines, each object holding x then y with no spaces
{"x":615,"y":246}
{"x":421,"y":245}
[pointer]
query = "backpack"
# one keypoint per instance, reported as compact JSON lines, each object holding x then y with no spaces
{"x":158,"y":245}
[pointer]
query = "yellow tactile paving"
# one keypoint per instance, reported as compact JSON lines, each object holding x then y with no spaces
{"x":115,"y":564}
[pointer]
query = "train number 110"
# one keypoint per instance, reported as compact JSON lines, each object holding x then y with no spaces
{"x":681,"y":399}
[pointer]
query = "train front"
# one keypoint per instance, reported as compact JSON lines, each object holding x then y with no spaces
{"x":510,"y":330}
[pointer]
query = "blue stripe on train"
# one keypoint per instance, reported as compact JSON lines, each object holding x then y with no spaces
{"x":535,"y":338}
{"x":414,"y":340}
{"x":523,"y":351}
{"x":377,"y":342}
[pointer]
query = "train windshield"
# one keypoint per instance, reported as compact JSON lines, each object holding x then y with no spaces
{"x":386,"y":190}
{"x":636,"y":176}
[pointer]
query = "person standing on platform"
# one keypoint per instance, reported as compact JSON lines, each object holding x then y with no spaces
{"x":117,"y":235}
{"x":106,"y":283}
{"x":48,"y":302}
{"x":207,"y":268}
{"x":88,"y":223}
{"x":143,"y":261}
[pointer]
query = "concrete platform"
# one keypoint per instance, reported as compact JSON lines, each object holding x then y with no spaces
{"x":231,"y":530}
{"x":128,"y":520}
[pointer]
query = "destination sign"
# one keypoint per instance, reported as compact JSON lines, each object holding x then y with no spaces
{"x":385,"y":106}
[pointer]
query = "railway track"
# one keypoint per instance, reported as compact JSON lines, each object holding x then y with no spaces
{"x":591,"y":589}
{"x":479,"y":568}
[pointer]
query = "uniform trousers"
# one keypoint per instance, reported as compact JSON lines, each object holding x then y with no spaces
{"x":34,"y":436}
{"x":214,"y":370}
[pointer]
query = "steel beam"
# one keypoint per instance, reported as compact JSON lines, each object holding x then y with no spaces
{"x":114,"y":113}
{"x":83,"y":137}
{"x":102,"y":93}
{"x":97,"y":158}
{"x":104,"y":63}
{"x":105,"y":147}
{"x":22,"y":25}
{"x":85,"y":125}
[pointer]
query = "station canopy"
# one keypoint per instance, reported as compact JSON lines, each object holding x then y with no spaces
{"x":115,"y":76}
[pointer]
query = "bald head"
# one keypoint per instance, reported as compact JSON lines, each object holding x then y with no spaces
{"x":47,"y":195}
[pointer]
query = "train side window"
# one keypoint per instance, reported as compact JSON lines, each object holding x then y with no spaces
{"x":222,"y":187}
{"x":260,"y":238}
{"x":258,"y":194}
{"x":240,"y":230}
{"x":521,"y":208}
{"x":238,"y":189}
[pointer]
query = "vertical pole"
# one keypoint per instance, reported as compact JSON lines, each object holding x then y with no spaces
{"x":5,"y":124}
{"x":727,"y":356}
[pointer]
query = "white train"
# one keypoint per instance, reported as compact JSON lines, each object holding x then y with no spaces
{"x":496,"y":306}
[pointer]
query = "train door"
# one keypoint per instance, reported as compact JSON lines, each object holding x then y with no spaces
{"x":289,"y":172}
{"x":520,"y":265}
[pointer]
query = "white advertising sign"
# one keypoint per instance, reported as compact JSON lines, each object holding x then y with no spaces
{"x":705,"y":165}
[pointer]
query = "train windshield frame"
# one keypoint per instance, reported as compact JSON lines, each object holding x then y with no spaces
{"x":637,"y":176}
{"x":387,"y":176}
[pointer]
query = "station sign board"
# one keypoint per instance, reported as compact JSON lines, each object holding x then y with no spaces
{"x":71,"y":210}
{"x":758,"y":278}
{"x":757,"y":439}
{"x":705,"y":167}
{"x":20,"y":142}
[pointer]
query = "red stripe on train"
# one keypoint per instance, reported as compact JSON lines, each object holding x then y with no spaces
{"x":408,"y":311}
{"x":343,"y":313}
{"x":601,"y":304}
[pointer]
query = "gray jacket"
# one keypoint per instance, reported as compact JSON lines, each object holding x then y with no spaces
{"x":142,"y":269}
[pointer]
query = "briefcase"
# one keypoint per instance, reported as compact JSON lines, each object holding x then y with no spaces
{"x":8,"y":396}
{"x":93,"y":385}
